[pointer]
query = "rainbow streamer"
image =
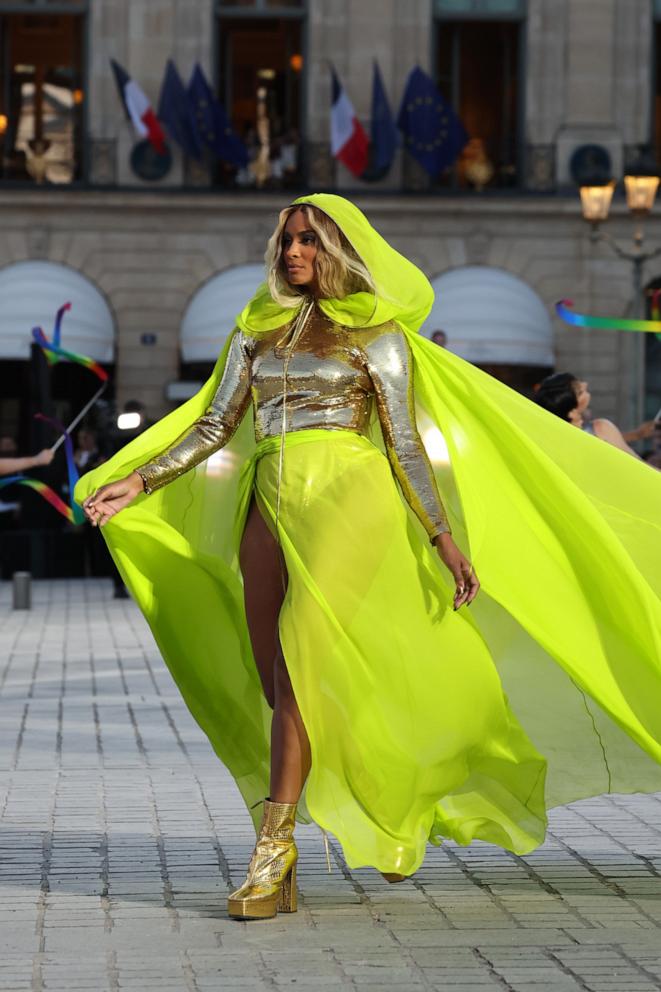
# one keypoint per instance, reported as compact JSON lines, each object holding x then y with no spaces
{"x":562,"y":308}
{"x":55,"y":353}
{"x":57,"y":329}
{"x":656,"y":310}
{"x":40,"y":487}
{"x":72,"y":470}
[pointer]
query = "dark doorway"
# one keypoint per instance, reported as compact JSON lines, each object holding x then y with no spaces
{"x":261,"y":67}
{"x":478,"y":74}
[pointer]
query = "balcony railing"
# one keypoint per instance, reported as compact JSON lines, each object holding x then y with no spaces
{"x":490,"y":168}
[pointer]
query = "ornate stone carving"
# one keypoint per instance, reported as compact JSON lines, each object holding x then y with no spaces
{"x":413,"y":175}
{"x":103,"y":162}
{"x":38,"y":240}
{"x":196,"y":173}
{"x":540,"y":168}
{"x":478,"y":244}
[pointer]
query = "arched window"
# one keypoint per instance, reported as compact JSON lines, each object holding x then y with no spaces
{"x":495,"y":321}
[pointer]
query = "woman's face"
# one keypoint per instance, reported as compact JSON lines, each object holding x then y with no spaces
{"x":299,"y":250}
{"x":582,"y":395}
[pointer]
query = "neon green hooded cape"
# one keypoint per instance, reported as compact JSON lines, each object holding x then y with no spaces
{"x":564,"y":532}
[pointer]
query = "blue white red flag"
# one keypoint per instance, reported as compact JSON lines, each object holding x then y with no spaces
{"x":138,"y":109}
{"x":349,"y":141}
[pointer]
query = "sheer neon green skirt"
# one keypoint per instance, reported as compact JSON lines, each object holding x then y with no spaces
{"x":398,"y":692}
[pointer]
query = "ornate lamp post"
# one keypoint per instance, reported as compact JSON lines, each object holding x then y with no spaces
{"x":641,"y":182}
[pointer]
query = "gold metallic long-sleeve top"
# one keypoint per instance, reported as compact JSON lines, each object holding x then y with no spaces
{"x":334,"y":374}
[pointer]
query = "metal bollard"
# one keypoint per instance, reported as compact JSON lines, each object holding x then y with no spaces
{"x":22,"y":588}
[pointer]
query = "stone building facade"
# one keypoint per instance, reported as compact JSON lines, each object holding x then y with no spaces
{"x":587,"y":78}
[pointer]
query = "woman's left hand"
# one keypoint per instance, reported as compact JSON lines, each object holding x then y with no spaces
{"x":467,"y":583}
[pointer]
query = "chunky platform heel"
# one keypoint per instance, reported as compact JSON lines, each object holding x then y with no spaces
{"x":270,"y":885}
{"x":288,"y":901}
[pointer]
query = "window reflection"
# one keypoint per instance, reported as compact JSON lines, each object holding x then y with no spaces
{"x":478,"y":73}
{"x":260,"y":81}
{"x":41,"y":97}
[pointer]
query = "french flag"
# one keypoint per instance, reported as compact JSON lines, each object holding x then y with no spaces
{"x":138,"y":108}
{"x":349,"y":141}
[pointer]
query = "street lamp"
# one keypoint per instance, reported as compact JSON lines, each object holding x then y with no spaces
{"x":596,"y":202}
{"x":641,"y":192}
{"x":641,"y":181}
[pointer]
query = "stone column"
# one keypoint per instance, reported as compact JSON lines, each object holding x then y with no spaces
{"x":327,"y":41}
{"x":546,"y":38}
{"x":350,"y":34}
{"x":108,"y":35}
{"x":589,"y":116}
{"x":141,"y":35}
{"x":633,"y":68}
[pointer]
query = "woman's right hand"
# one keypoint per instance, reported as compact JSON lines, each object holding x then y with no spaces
{"x":109,"y":500}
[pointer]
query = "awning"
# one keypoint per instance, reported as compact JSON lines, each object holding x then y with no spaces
{"x":209,"y":317}
{"x":491,"y":317}
{"x":32,"y":293}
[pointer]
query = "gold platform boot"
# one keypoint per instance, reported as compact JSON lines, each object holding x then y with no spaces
{"x":270,"y":885}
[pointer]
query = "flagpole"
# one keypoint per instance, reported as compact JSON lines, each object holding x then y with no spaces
{"x":78,"y":417}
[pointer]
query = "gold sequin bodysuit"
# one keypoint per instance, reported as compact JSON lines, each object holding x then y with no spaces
{"x":333,"y":375}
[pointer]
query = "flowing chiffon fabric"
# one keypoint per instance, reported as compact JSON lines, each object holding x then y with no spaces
{"x":385,"y":747}
{"x":424,"y":722}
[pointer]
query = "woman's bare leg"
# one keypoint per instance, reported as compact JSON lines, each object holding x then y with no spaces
{"x":290,"y":745}
{"x":265,"y":582}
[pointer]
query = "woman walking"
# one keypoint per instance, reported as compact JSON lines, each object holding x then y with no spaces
{"x":315,"y":622}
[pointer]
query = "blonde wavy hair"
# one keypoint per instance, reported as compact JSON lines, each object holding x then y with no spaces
{"x":339,"y":270}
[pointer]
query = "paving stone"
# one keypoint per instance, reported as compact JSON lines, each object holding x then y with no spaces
{"x":118,"y":827}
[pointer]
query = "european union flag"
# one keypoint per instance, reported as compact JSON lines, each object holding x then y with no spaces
{"x":385,"y":138}
{"x":175,"y":111}
{"x":433,"y":133}
{"x":213,"y":123}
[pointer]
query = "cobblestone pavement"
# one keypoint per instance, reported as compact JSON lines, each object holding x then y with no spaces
{"x":120,"y":835}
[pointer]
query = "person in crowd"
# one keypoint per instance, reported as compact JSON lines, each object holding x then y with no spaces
{"x":569,"y":398}
{"x":87,"y":454}
{"x":440,"y":338}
